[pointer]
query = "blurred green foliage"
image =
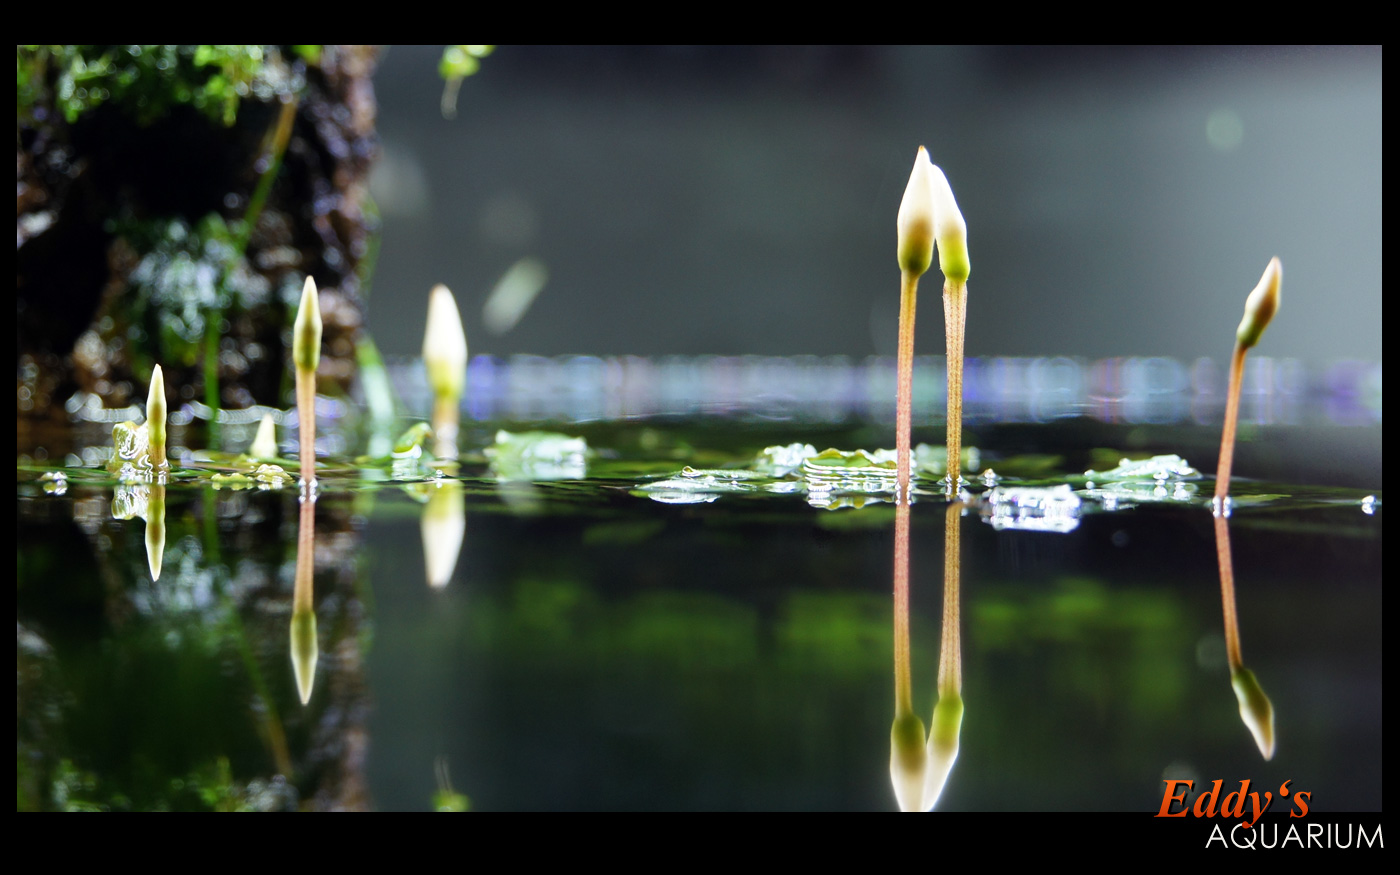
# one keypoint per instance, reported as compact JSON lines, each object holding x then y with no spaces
{"x":144,"y":81}
{"x":458,"y":62}
{"x":187,"y":277}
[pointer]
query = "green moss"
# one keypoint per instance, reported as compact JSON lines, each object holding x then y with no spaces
{"x":145,"y":82}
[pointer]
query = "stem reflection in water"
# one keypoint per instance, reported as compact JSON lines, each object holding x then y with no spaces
{"x":919,"y":767}
{"x":305,"y":649}
{"x":1256,"y":710}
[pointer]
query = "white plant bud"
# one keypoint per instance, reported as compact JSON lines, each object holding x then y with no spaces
{"x":1261,"y":305}
{"x":949,"y":229}
{"x":445,"y":345}
{"x":916,"y":218}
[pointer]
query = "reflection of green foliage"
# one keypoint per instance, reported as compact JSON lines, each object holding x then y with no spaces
{"x":1127,"y":641}
{"x":838,"y":633}
{"x":692,"y":632}
{"x":623,"y":532}
{"x":209,"y":787}
{"x":144,"y":81}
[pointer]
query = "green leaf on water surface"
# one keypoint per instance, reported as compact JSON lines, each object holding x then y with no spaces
{"x":780,"y":461}
{"x":879,"y":461}
{"x":538,"y":455}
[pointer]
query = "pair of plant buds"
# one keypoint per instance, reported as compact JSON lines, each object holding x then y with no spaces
{"x":929,"y":216}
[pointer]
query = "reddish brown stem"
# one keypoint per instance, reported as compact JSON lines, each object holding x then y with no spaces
{"x":306,"y":425}
{"x":955,"y":323}
{"x":904,"y":405}
{"x":1227,"y":437}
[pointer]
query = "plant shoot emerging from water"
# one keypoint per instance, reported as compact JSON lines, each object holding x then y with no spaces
{"x":929,"y":218}
{"x":445,"y":357}
{"x":306,"y":355}
{"x":155,"y":424}
{"x":951,"y":233}
{"x":1259,"y":309}
{"x":1256,"y":710}
{"x":264,"y":446}
{"x":915,"y":224}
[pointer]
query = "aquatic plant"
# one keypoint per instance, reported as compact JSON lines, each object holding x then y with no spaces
{"x":155,"y":423}
{"x":929,"y":217}
{"x":306,"y":355}
{"x":1259,"y":309}
{"x":915,"y":224}
{"x":264,"y":446}
{"x":445,"y":357}
{"x":1256,"y":710}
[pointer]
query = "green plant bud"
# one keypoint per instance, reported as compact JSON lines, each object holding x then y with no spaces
{"x":949,"y":229}
{"x":907,"y":758}
{"x":305,"y":651}
{"x":1256,"y":710}
{"x":445,"y":345}
{"x":1260,"y":306}
{"x":306,"y":333}
{"x":916,"y":218}
{"x":942,"y":746}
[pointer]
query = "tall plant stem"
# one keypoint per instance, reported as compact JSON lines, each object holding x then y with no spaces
{"x":950,"y":652}
{"x":1227,"y":592}
{"x":306,"y":422}
{"x":1227,"y":437}
{"x":904,"y":405}
{"x":955,"y":323}
{"x":903,"y":686}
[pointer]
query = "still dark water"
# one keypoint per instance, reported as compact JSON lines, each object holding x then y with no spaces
{"x":599,"y":646}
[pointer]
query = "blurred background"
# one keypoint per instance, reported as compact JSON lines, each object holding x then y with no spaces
{"x":737,"y":200}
